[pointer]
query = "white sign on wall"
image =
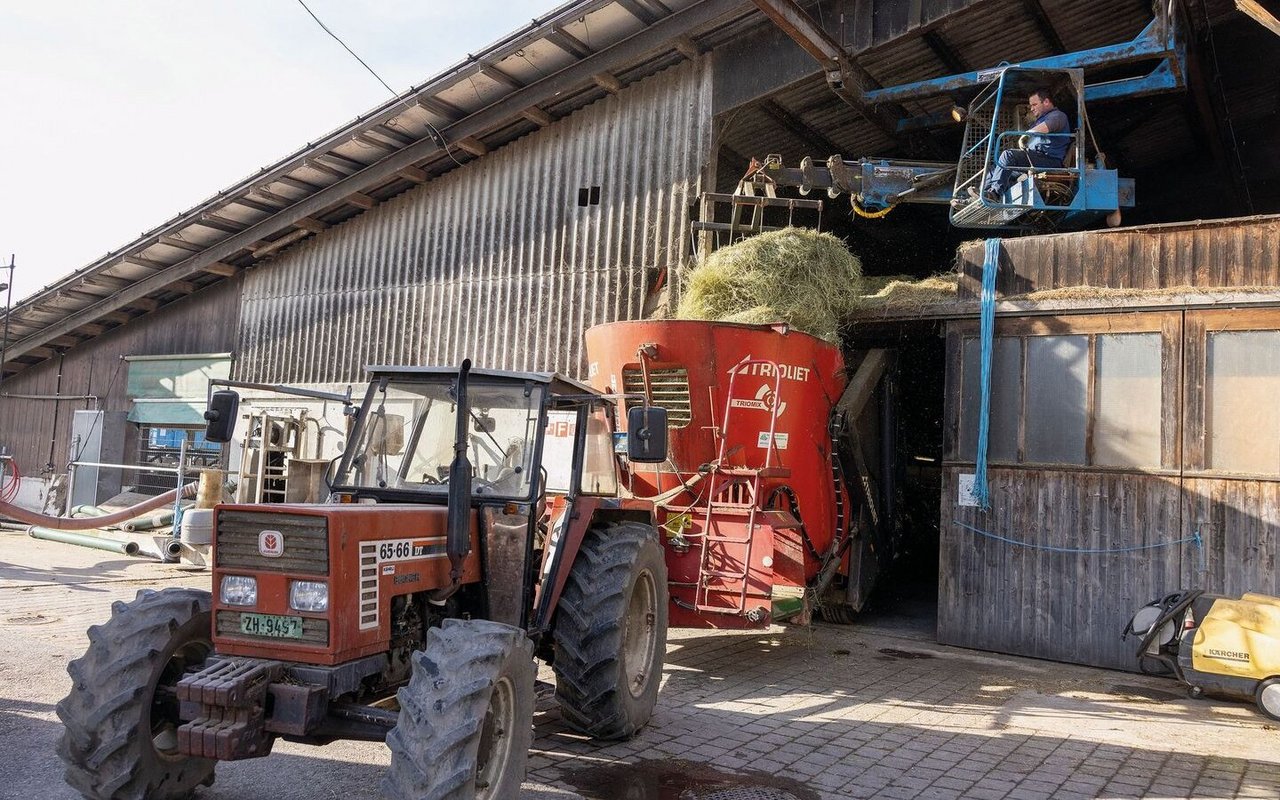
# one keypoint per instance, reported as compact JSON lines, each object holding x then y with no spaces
{"x":967,"y":497}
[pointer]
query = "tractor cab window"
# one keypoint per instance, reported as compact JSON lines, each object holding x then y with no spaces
{"x":406,"y":442}
{"x":599,"y":475}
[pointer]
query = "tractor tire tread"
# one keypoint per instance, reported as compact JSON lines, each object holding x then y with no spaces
{"x":434,"y":745}
{"x":588,"y":631}
{"x":105,"y":755}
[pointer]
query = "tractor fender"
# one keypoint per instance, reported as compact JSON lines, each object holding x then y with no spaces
{"x":583,"y":513}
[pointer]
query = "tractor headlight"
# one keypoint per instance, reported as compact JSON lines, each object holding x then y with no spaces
{"x":309,"y":596}
{"x":239,"y":590}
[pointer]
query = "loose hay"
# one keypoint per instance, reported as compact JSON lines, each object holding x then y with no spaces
{"x":804,"y":278}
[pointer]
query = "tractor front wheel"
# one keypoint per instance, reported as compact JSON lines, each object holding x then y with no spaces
{"x":466,"y":715}
{"x":611,"y":631}
{"x":121,"y":720}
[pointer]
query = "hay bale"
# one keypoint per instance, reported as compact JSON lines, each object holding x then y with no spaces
{"x":804,"y":278}
{"x":902,"y":295}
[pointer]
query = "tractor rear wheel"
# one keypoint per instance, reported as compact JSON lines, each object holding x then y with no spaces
{"x":466,"y":715}
{"x":121,"y":718}
{"x":611,"y":631}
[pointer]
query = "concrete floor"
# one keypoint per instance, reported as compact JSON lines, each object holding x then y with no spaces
{"x":876,"y":710}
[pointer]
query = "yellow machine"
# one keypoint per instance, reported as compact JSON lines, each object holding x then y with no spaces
{"x":1217,"y":645}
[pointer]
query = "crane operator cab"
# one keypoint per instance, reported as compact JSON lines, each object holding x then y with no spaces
{"x":1024,"y":160}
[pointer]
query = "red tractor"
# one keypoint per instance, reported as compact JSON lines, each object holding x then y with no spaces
{"x":478,"y":519}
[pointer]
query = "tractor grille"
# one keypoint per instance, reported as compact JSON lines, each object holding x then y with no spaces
{"x":314,"y":631}
{"x":670,"y":387}
{"x":306,"y":542}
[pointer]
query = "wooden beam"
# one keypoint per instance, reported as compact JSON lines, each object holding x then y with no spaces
{"x":370,"y":141}
{"x":65,"y":341}
{"x":42,"y":352}
{"x":361,"y":200}
{"x":1037,"y":13}
{"x":181,"y":244}
{"x":349,"y":164}
{"x":390,"y":136}
{"x":607,"y":82}
{"x":211,"y":220}
{"x":638,"y":11}
{"x":446,"y":111}
{"x":256,"y":205}
{"x":499,"y":76}
{"x":945,"y":52}
{"x":569,"y":43}
{"x":181,"y":287}
{"x":118,"y":317}
{"x":412,"y":174}
{"x":686,"y":47}
{"x":472,"y":145}
{"x":263,"y":249}
{"x":92,"y":329}
{"x":537,"y":116}
{"x":145,"y":263}
{"x":862,"y":385}
{"x":295,"y":183}
{"x":798,"y":127}
{"x":1265,"y":17}
{"x":220,"y":268}
{"x":145,"y":303}
{"x":311,"y":224}
{"x":325,"y":169}
{"x":280,"y":199}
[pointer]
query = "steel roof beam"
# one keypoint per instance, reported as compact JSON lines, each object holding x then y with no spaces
{"x":798,"y":127}
{"x":1037,"y":13}
{"x":656,"y":37}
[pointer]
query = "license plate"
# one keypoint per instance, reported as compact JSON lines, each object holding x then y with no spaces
{"x":271,"y":625}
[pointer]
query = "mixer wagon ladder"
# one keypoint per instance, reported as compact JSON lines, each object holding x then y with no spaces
{"x":733,"y":512}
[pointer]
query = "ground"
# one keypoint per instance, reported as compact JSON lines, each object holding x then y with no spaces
{"x":876,"y":710}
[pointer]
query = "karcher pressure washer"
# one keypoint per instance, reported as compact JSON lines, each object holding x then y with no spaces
{"x":1217,"y":645}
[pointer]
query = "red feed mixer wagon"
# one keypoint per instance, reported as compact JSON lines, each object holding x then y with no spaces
{"x":756,"y":515}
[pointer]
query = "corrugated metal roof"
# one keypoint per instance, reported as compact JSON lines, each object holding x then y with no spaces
{"x":576,"y":54}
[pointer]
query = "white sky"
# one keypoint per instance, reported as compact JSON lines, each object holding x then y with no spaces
{"x":115,"y":116}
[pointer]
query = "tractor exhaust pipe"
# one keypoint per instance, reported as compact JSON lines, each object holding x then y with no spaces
{"x":459,"y":530}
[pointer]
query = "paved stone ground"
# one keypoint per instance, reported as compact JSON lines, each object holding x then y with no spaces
{"x":829,"y":712}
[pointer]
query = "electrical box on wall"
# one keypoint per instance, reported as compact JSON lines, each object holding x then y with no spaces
{"x":97,"y":437}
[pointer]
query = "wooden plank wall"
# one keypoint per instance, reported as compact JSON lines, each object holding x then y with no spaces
{"x":1239,"y":521}
{"x":1209,"y":254}
{"x":1061,"y":606}
{"x":206,"y":322}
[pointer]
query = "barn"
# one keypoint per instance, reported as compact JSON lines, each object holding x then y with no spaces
{"x":553,"y":181}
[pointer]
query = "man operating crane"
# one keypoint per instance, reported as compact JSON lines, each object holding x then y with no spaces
{"x":1049,"y":140}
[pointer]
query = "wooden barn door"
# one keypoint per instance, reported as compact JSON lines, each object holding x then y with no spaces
{"x":1231,"y":450}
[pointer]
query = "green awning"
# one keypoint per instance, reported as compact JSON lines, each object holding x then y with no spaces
{"x":172,"y":390}
{"x":171,"y":413}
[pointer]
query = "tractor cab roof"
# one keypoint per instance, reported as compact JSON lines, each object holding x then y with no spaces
{"x":556,"y":383}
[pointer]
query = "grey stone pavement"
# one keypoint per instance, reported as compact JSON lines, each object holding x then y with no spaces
{"x":827,"y":712}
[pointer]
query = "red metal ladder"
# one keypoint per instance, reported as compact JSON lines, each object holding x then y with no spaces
{"x":738,"y":505}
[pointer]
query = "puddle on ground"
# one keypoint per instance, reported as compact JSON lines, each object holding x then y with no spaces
{"x":681,"y":780}
{"x":1139,"y":693}
{"x":889,"y":651}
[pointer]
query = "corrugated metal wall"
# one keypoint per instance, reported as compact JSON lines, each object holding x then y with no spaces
{"x":205,"y":322}
{"x":495,"y":261}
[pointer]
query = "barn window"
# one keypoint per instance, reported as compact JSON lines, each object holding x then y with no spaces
{"x":1068,"y":398}
{"x":1242,"y":418}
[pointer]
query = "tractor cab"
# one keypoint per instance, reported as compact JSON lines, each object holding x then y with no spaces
{"x":1048,"y":181}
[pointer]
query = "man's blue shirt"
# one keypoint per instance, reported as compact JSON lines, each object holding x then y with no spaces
{"x":1054,"y":147}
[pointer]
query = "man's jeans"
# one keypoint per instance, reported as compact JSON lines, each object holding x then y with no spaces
{"x":1010,"y":165}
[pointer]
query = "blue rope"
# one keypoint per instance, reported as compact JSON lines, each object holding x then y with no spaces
{"x":1194,"y":537}
{"x":990,"y":264}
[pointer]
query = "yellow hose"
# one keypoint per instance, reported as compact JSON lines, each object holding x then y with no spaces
{"x":862,"y":212}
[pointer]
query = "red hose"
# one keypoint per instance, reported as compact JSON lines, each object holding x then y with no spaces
{"x":8,"y":493}
{"x":89,"y":523}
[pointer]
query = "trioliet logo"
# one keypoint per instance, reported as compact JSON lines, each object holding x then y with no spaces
{"x":271,"y":544}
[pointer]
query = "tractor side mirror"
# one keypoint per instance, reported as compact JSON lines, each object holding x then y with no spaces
{"x":483,"y":423}
{"x":220,"y":418}
{"x":647,"y":434}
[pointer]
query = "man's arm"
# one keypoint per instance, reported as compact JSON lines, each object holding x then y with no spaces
{"x":1054,"y":122}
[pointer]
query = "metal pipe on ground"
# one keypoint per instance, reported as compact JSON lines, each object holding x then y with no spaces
{"x":83,"y":540}
{"x":65,"y":524}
